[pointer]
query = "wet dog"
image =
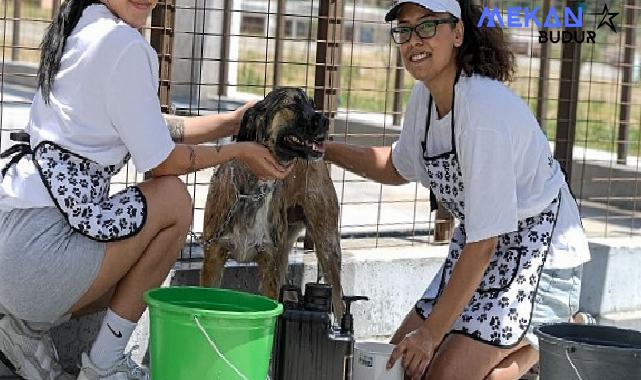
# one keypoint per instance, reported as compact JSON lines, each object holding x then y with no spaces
{"x":247,"y":219}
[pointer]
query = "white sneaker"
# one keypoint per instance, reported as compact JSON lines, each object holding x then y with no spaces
{"x":31,"y":354}
{"x":125,"y":369}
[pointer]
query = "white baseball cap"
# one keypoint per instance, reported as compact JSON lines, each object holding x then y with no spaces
{"x":450,"y":6}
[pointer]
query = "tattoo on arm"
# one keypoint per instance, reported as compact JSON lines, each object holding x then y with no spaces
{"x":176,"y":127}
{"x":192,"y":159}
{"x":218,"y":148}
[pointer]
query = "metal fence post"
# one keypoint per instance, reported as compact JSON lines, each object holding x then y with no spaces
{"x":568,"y":101}
{"x":15,"y":40}
{"x":626,"y":87}
{"x":544,"y":70}
{"x":54,"y":8}
{"x":162,"y":39}
{"x":223,"y":69}
{"x":328,"y":55}
{"x":398,"y":87}
{"x":280,"y":37}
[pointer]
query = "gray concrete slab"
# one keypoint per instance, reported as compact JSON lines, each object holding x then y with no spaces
{"x":612,"y":279}
{"x":624,"y":319}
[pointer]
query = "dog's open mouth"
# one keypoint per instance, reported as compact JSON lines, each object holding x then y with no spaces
{"x":312,"y":148}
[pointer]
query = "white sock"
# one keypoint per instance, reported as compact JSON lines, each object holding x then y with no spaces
{"x":112,"y":340}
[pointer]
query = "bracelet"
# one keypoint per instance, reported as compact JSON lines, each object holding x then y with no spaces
{"x":192,"y":159}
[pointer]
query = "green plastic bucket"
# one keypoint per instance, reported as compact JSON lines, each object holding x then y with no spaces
{"x":203,"y":333}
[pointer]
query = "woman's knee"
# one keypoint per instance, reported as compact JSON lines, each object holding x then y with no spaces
{"x":168,"y":196}
{"x":178,"y":193}
{"x":501,"y":374}
{"x":515,"y":365}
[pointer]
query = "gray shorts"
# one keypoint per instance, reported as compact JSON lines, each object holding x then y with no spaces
{"x":45,"y":266}
{"x":557,"y":299}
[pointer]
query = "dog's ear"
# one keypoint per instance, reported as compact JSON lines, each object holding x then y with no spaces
{"x":246,"y":129}
{"x":250,"y":122}
{"x":306,"y":98}
{"x":271,"y":105}
{"x":322,"y":121}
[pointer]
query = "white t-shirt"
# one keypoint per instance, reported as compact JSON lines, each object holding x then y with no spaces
{"x":103,"y":105}
{"x":508,"y":169}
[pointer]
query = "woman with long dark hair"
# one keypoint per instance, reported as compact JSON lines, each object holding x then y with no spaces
{"x":66,"y":245}
{"x":515,"y":257}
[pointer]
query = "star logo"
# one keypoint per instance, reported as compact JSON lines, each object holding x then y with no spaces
{"x":607,"y":15}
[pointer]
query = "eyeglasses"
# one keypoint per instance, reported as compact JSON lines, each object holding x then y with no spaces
{"x":426,"y":29}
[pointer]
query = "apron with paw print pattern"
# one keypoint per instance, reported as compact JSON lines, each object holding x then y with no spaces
{"x":79,"y":187}
{"x":500,"y":309}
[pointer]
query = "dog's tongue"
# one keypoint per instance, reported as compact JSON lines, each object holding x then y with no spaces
{"x":318,"y":147}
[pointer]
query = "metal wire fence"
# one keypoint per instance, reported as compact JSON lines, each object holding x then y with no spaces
{"x":216,"y":54}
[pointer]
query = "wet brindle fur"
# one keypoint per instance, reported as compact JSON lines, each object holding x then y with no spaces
{"x":269,"y":216}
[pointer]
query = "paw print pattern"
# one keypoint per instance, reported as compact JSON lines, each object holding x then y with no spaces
{"x":499,"y":311}
{"x":507,"y":333}
{"x":494,"y":323}
{"x":446,"y":182}
{"x":524,"y":323}
{"x":80,"y":189}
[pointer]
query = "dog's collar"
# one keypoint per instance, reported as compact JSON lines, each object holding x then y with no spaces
{"x":264,"y":188}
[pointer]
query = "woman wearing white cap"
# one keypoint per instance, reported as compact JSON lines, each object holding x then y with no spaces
{"x":481,"y":152}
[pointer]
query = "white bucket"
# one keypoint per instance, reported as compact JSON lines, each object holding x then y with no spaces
{"x":370,"y":359}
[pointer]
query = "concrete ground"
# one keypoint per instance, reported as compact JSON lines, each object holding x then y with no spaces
{"x":611,"y":283}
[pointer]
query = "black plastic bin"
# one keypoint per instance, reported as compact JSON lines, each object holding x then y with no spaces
{"x":588,"y":352}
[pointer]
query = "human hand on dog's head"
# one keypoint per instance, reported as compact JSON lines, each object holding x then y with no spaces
{"x":236,"y":117}
{"x":287,"y":123}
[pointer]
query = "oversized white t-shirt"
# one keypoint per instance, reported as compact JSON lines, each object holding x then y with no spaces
{"x":103,"y":105}
{"x":508,"y":169}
